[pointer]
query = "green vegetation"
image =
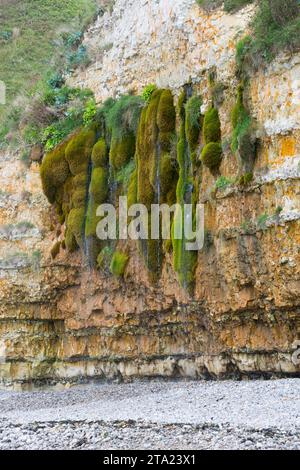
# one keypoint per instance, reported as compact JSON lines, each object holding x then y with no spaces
{"x":99,"y":185}
{"x":100,"y":154}
{"x":156,"y":172}
{"x":211,"y":126}
{"x":262,"y":221}
{"x":104,"y":258}
{"x":55,"y":250}
{"x":245,"y":179}
{"x":186,"y":192}
{"x":54,"y":171}
{"x":211,"y":155}
{"x":193,"y":124}
{"x":276,"y":27}
{"x":243,"y":135}
{"x":147,"y":92}
{"x":79,"y":151}
{"x":223,"y":182}
{"x":118,"y":263}
{"x":122,"y":122}
{"x":31,"y":52}
{"x":123,"y":116}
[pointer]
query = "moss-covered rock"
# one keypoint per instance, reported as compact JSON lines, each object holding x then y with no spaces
{"x":55,"y":250}
{"x":166,"y":114}
{"x":211,"y":155}
{"x":79,"y":151}
{"x":99,"y":185}
{"x":78,"y":198}
{"x":99,"y":154}
{"x":75,"y":224}
{"x":211,"y":126}
{"x":118,"y":263}
{"x":168,"y":174}
{"x":70,"y":241}
{"x":91,"y":220}
{"x":80,"y":180}
{"x":184,"y":261}
{"x":132,"y":190}
{"x":165,"y":140}
{"x":193,"y":121}
{"x":122,"y":150}
{"x":54,"y":171}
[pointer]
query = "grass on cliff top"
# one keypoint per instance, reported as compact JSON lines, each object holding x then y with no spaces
{"x":30,"y":40}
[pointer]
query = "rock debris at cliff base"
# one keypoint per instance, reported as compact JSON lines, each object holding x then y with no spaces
{"x":154,"y":415}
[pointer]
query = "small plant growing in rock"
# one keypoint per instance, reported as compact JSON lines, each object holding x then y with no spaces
{"x":89,"y":112}
{"x":262,"y":221}
{"x":222,"y":183}
{"x":118,"y":263}
{"x":148,"y":91}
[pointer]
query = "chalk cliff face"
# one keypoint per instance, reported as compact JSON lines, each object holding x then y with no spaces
{"x":62,"y":321}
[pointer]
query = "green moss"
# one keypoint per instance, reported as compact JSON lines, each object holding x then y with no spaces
{"x":238,"y":110}
{"x":165,"y":140}
{"x":104,"y":258}
{"x":155,"y":134}
{"x":211,"y":126}
{"x":211,"y":155}
{"x":80,"y":180}
{"x":55,"y":250}
{"x":79,"y":150}
{"x":54,"y":171}
{"x":67,"y":195}
{"x":99,"y":185}
{"x":70,"y":241}
{"x":78,"y":198}
{"x":243,"y":136}
{"x":99,"y":154}
{"x":75,"y":224}
{"x":245,"y":179}
{"x":166,"y":115}
{"x":122,"y":151}
{"x":148,"y":91}
{"x":123,"y":176}
{"x":184,"y":261}
{"x":132,"y":190}
{"x":91,"y":220}
{"x":193,"y":124}
{"x":181,"y":104}
{"x":118,"y":264}
{"x":168,"y":174}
